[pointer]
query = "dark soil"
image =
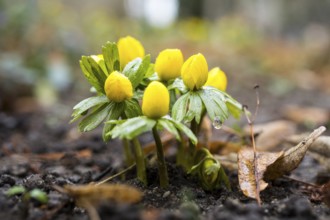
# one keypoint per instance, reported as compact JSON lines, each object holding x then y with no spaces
{"x":25,"y":139}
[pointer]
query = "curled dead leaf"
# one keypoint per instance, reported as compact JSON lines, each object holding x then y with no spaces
{"x":250,"y":176}
{"x":292,"y":157}
{"x":320,"y":146}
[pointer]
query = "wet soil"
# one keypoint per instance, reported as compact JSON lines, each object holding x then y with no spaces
{"x":39,"y":149}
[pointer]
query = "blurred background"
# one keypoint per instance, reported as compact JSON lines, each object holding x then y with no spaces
{"x":284,"y":46}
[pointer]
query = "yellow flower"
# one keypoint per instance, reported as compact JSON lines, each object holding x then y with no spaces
{"x":217,"y":78}
{"x":129,"y":48}
{"x":118,"y":87}
{"x":156,"y":100}
{"x":194,"y":72}
{"x":168,"y":64}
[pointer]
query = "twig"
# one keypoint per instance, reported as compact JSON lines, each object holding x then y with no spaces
{"x":117,"y":174}
{"x":255,"y":158}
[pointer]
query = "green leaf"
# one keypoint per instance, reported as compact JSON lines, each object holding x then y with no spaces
{"x":86,"y":104}
{"x":178,"y":84}
{"x":132,"y":127}
{"x":85,"y":67}
{"x":16,"y":190}
{"x":150,"y":71}
{"x":234,"y":107}
{"x":39,"y":195}
{"x":111,"y":57}
{"x":95,"y":118}
{"x":97,"y":71}
{"x":180,"y":107}
{"x":132,"y":108}
{"x":195,"y":108}
{"x":184,"y":129}
{"x":116,"y":110}
{"x":213,"y":104}
{"x":169,"y":126}
{"x":136,"y":70}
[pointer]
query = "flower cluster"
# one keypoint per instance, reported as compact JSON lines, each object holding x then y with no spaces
{"x":123,"y":77}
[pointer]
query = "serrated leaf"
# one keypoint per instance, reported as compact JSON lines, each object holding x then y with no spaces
{"x":180,"y":107}
{"x":132,"y":108}
{"x":184,"y":129}
{"x":86,"y":104}
{"x":132,"y":127}
{"x":116,"y":110}
{"x":95,"y":118}
{"x":136,"y":70}
{"x":233,"y":109}
{"x":195,"y":108}
{"x":111,"y":57}
{"x":169,"y":126}
{"x":89,"y":76}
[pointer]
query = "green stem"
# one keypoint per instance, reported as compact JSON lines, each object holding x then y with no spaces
{"x":162,"y":170}
{"x":140,"y":162}
{"x":129,"y":159}
{"x":194,"y":129}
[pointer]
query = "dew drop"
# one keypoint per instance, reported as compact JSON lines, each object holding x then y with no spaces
{"x":217,"y":123}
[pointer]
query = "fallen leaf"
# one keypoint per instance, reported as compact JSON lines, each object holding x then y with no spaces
{"x":250,"y":176}
{"x":309,"y":115}
{"x":228,"y":161}
{"x":321,"y":145}
{"x":98,"y":193}
{"x":272,"y":134}
{"x":292,"y":157}
{"x":86,"y":153}
{"x":89,"y":196}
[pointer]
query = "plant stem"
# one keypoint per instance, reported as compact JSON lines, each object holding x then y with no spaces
{"x":192,"y":147}
{"x":140,"y":162}
{"x":129,"y":159}
{"x":162,"y":170}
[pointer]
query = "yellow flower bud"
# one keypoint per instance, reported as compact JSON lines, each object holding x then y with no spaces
{"x":194,"y":71}
{"x":117,"y":87}
{"x":217,"y":78}
{"x":168,"y":64}
{"x":156,"y":100}
{"x":129,"y":48}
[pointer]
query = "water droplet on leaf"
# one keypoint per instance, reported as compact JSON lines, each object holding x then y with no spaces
{"x":217,"y":123}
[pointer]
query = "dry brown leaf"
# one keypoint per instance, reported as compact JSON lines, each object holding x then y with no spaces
{"x":98,"y":193}
{"x":89,"y":196}
{"x":301,"y":115}
{"x":292,"y":157}
{"x":321,"y":145}
{"x":272,"y":134}
{"x":250,"y":177}
{"x":326,"y":194}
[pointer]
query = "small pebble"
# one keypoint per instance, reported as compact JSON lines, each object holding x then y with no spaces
{"x":166,"y":194}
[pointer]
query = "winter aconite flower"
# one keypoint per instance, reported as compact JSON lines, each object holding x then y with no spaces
{"x":168,"y":64}
{"x":156,"y":100}
{"x":129,"y":48}
{"x":118,"y":87}
{"x":217,"y":79}
{"x":194,"y":72}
